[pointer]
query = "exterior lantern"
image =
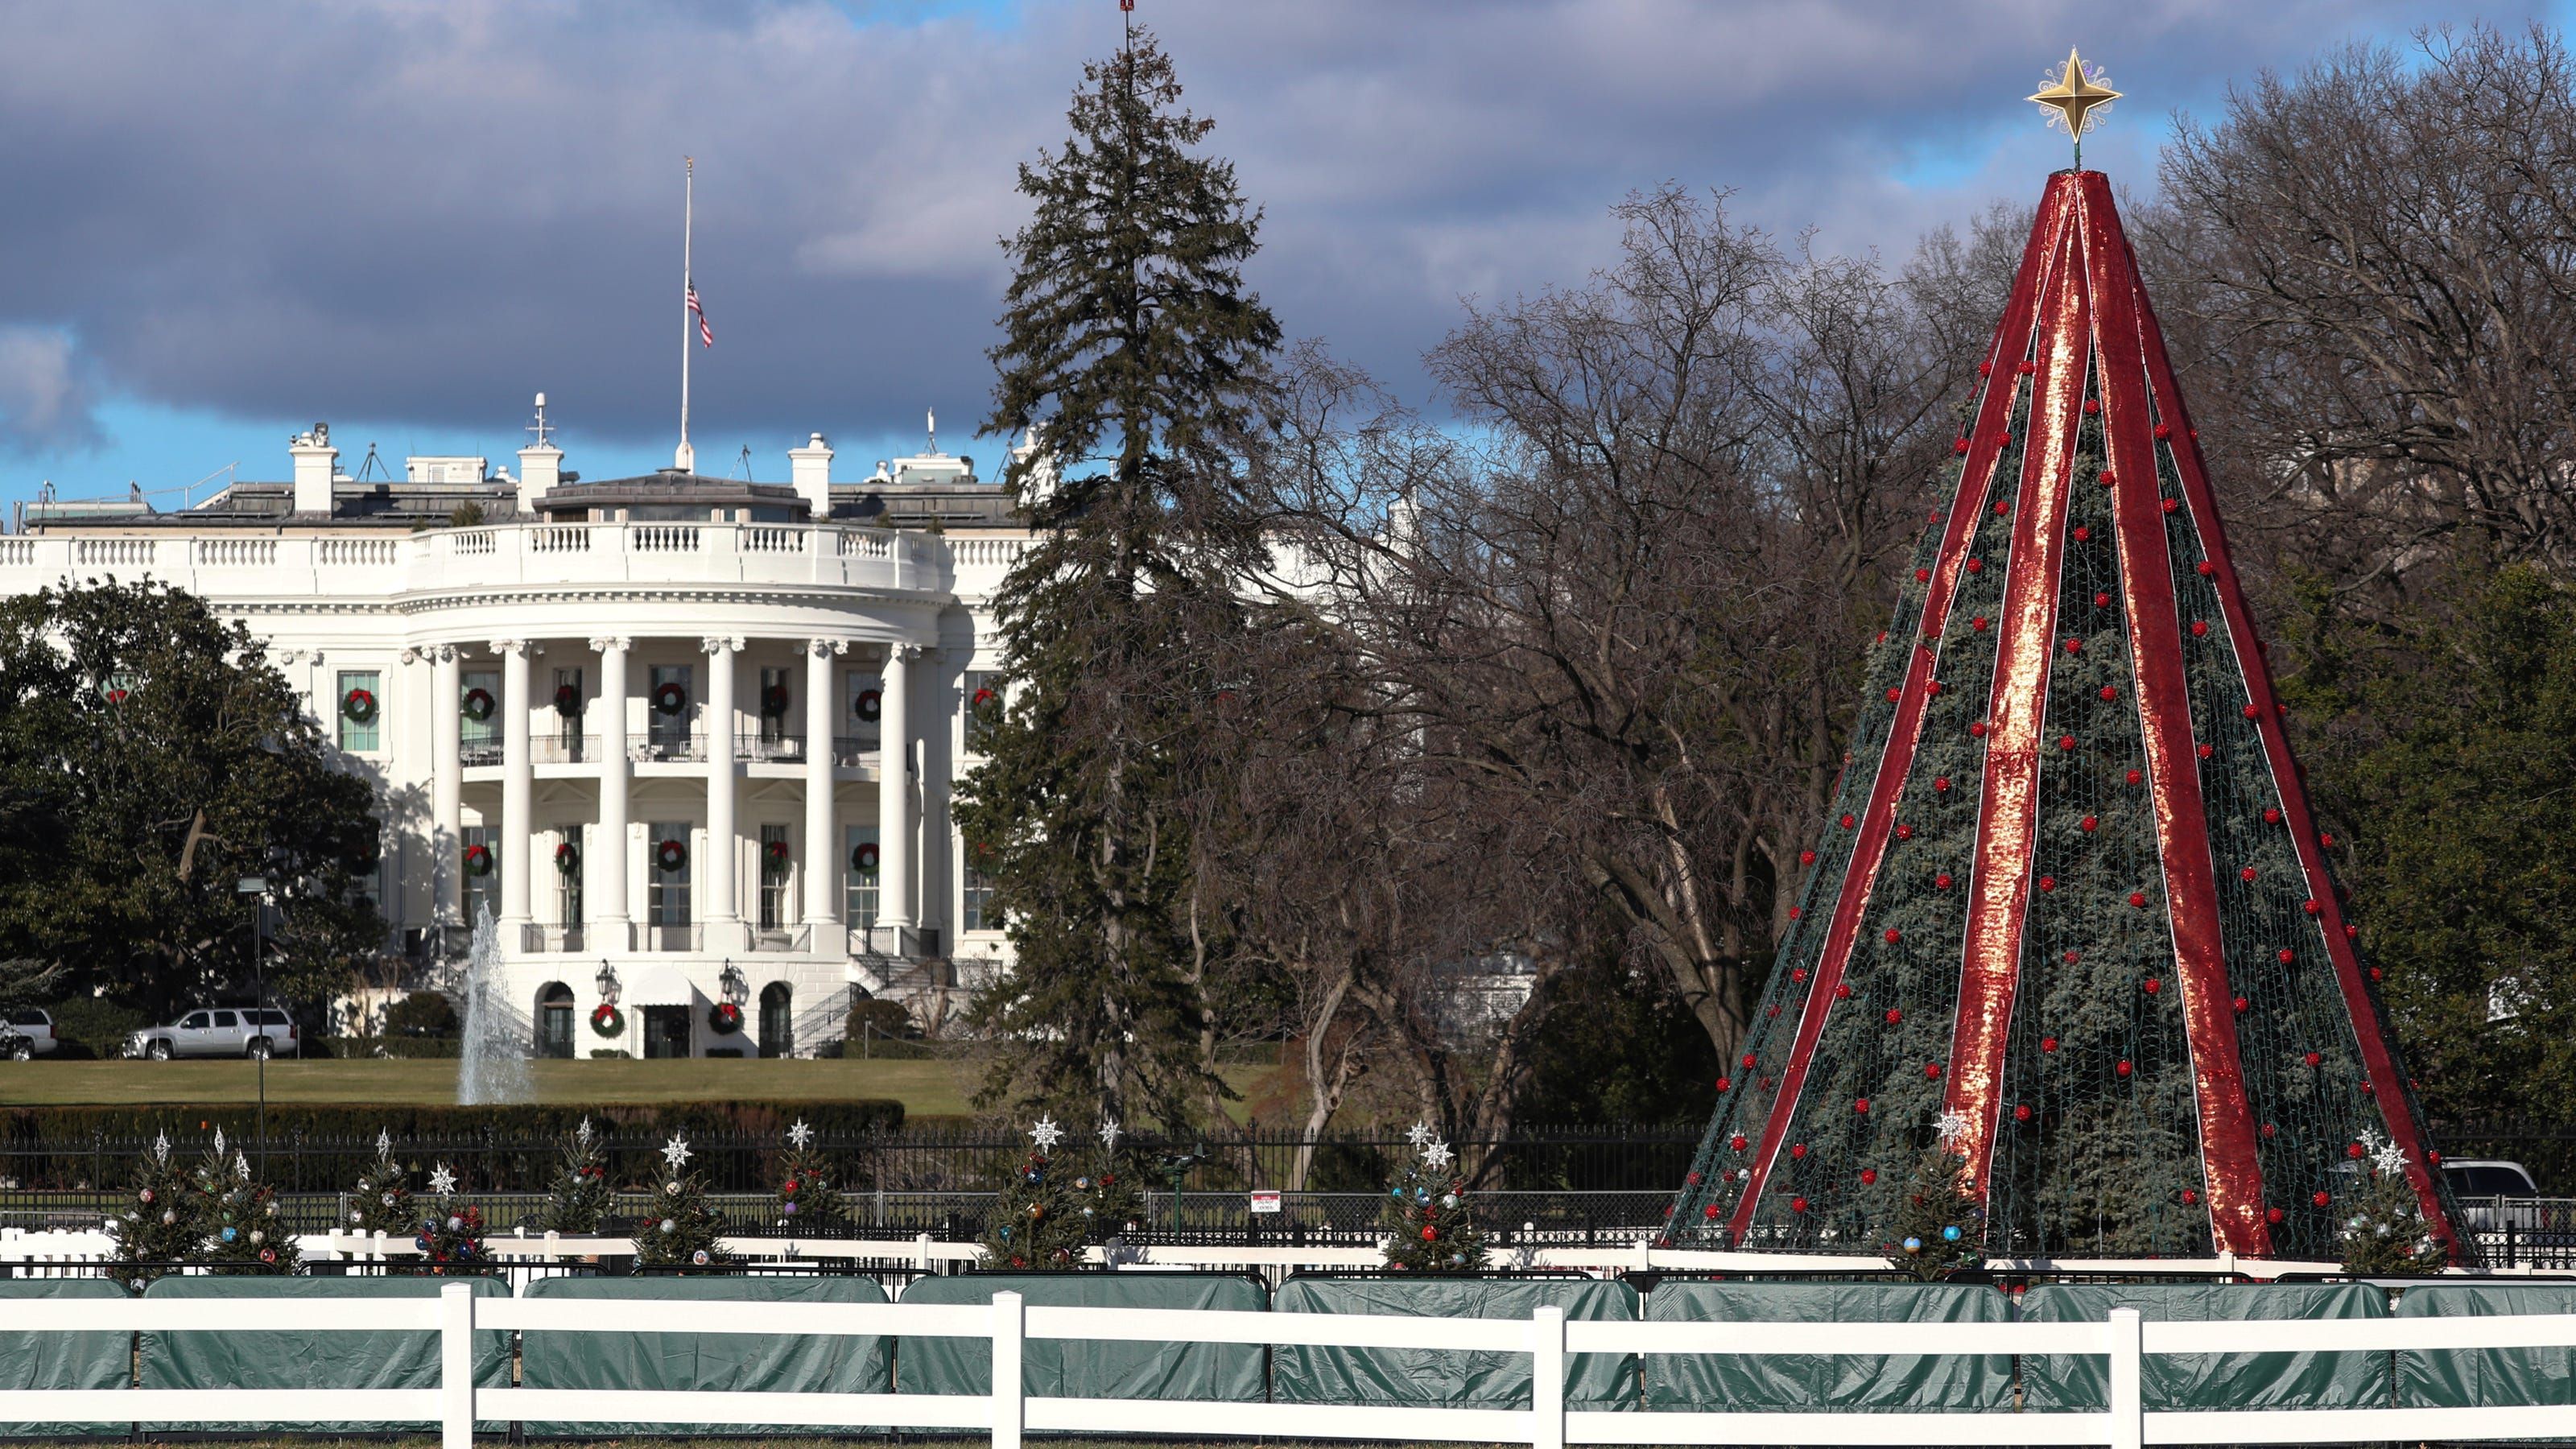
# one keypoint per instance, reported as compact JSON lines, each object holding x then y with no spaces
{"x":607,"y":981}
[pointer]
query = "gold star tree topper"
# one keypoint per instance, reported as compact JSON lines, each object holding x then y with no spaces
{"x":2076,"y":99}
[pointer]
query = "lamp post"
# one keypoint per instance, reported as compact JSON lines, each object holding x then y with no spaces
{"x":256,"y":887}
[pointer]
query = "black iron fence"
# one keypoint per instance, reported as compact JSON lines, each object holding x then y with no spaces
{"x":1615,"y":1159}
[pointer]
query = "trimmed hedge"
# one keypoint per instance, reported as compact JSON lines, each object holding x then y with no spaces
{"x":499,"y":1147}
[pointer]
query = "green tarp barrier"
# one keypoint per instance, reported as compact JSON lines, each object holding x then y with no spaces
{"x":2486,"y":1377}
{"x":278,"y":1359}
{"x":62,"y":1360}
{"x":1795,"y":1383}
{"x":2212,"y":1380}
{"x":734,"y":1362}
{"x":1087,"y":1369}
{"x":1449,"y":1378}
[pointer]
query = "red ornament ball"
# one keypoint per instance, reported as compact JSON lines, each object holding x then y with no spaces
{"x":1977,"y":729}
{"x":2138,"y":899}
{"x":1694,"y":1179}
{"x":1932,"y":1071}
{"x":1748,"y":1061}
{"x":1861,"y":1106}
{"x":1842,"y":991}
{"x":2153,"y":986}
{"x":2205,"y":568}
{"x":1985,"y":369}
{"x":2092,"y":407}
{"x":2091,"y":823}
{"x":2048,"y":883}
{"x":2136,"y":776}
{"x":2308,"y":906}
{"x":1725,"y":1083}
{"x":2272,"y":816}
{"x":1806,"y":857}
{"x":2319,"y":1197}
{"x":1978,"y":623}
{"x":2288,"y":955}
{"x":2082,"y":534}
{"x":2253,"y":711}
{"x":1868,"y":1175}
{"x":2200,"y":628}
{"x":1922,"y":576}
{"x":2173,"y":505}
{"x":2021,"y":1112}
{"x":2164,"y":430}
{"x":1905,"y":832}
{"x":1959,"y":445}
{"x":1941,"y":783}
{"x":2074,"y":646}
{"x":2246,"y":874}
{"x":2208,"y":750}
{"x":2355,"y":1150}
{"x":2122,"y":1067}
{"x":2242,"y":1005}
{"x":1849,"y":822}
{"x":2028,"y":367}
{"x":1430,"y":1235}
{"x":1892,"y":935}
{"x":1894,"y":1016}
{"x":2101,"y":601}
{"x":1798,"y":1151}
{"x":2190,"y":1195}
{"x":1942,"y":881}
{"x":2072,"y":957}
{"x":2269,"y":1130}
{"x":1976,"y":565}
{"x":1798,"y":974}
{"x":1736,"y":1142}
{"x":2109,"y":477}
{"x":2316,"y":1059}
{"x":2066,"y":742}
{"x":2048,"y":1043}
{"x":1797,"y":1204}
{"x":2002,"y":508}
{"x":2109,"y":692}
{"x":2273,"y":1215}
{"x":1893,"y":695}
{"x":1709,"y":1212}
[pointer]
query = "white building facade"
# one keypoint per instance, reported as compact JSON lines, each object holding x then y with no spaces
{"x":690,"y":741}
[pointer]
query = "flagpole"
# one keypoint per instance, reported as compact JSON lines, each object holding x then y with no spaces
{"x":686,"y":459}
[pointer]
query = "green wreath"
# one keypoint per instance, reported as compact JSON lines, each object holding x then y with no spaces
{"x":607,"y":1020}
{"x":358,"y":706}
{"x":478,"y":705}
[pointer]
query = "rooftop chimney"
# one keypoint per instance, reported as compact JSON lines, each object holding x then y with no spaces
{"x":810,"y":469}
{"x":539,"y":462}
{"x":315,"y":463}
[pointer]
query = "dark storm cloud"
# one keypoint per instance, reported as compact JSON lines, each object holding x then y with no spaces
{"x":426,"y":209}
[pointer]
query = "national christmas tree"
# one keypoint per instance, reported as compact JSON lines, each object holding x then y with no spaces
{"x":580,"y":1194}
{"x":679,"y":1229}
{"x":450,"y":1233}
{"x":2070,"y":894}
{"x":1427,"y":1224}
{"x":159,"y":1224}
{"x":380,"y":1200}
{"x":243,"y":1233}
{"x":809,"y":1188}
{"x":1037,"y":1219}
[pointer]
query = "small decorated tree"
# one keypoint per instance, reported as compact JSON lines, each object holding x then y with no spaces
{"x":1427,"y":1223}
{"x":380,"y":1200}
{"x":580,"y":1194}
{"x":809,"y":1188}
{"x":1107,"y":1197}
{"x":679,"y":1229}
{"x":1037,"y":1223}
{"x":450,"y":1235}
{"x":159,"y":1224}
{"x":243,"y":1231}
{"x":2385,"y":1234}
{"x":1940,"y":1225}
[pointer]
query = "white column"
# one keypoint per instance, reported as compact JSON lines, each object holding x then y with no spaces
{"x":518,"y":788}
{"x":606,"y":883}
{"x":822,"y":842}
{"x":446,"y":785}
{"x":894,"y":794}
{"x":722,"y":912}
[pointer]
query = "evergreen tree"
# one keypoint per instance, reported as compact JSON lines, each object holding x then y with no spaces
{"x":1428,"y":1226}
{"x":243,"y":1233}
{"x":580,"y":1194}
{"x":1939,"y":1222}
{"x":380,"y":1202}
{"x":159,"y":1224}
{"x":1037,"y":1220}
{"x":679,"y":1229}
{"x":1107,"y":1196}
{"x":2386,"y":1235}
{"x":451,"y":1232}
{"x":809,"y":1189}
{"x":1130,"y":357}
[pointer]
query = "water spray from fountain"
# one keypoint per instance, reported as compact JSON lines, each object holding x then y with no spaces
{"x":494,"y":1065}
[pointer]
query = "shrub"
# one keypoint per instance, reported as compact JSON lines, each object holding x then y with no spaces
{"x":94,"y":1025}
{"x":423,"y":1013}
{"x":880,"y":1019}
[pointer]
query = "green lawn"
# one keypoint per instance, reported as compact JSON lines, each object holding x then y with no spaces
{"x":926,"y":1088}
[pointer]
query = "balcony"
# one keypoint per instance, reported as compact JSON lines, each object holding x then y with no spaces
{"x":564,"y":749}
{"x":851,"y":751}
{"x":480,"y":752}
{"x":553,"y":940}
{"x":774,"y":940}
{"x":767,"y":747}
{"x":684,"y":936}
{"x":668,"y":748}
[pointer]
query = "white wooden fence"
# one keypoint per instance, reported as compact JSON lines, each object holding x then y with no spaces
{"x":1008,"y":1413}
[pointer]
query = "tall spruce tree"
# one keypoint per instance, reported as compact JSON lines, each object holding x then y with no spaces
{"x":1132,"y":357}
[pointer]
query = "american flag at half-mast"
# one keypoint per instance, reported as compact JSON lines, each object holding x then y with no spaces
{"x":706,"y":334}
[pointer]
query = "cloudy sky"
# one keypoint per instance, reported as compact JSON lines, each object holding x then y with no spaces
{"x":406,"y":216}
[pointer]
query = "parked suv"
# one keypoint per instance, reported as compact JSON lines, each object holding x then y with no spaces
{"x":217,"y":1032}
{"x":25,"y":1034}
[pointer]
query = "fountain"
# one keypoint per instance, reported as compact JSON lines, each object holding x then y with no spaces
{"x":494,"y":1060}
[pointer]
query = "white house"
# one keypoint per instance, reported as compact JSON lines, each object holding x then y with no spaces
{"x":690,"y":740}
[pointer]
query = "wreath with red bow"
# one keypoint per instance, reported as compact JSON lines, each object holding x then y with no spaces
{"x":724,"y":1018}
{"x":607,"y":1020}
{"x":869,"y":706}
{"x":567,"y":857}
{"x":671,"y":855}
{"x":358,"y":706}
{"x":478,"y":861}
{"x":773,"y":700}
{"x":773,"y":857}
{"x":670,"y":699}
{"x":863,"y":858}
{"x":478,"y":705}
{"x":567,"y":701}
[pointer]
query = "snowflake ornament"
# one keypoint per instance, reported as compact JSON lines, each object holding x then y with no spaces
{"x":443,"y":1181}
{"x":161,"y":1149}
{"x":1110,"y":1132}
{"x":219,"y":1142}
{"x":582,"y":1132}
{"x":799,"y":1135}
{"x":1437,"y":1156}
{"x":2386,"y":1156}
{"x":1953,"y":1127}
{"x":1419,"y":1134}
{"x":241,"y":1166}
{"x":676,"y":1152}
{"x":384,"y":1142}
{"x":1046,"y":1134}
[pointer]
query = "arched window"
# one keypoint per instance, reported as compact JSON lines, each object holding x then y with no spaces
{"x":554,"y":1020}
{"x":776,"y":1020}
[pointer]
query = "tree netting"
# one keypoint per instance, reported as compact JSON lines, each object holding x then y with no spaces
{"x":2024,"y":929}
